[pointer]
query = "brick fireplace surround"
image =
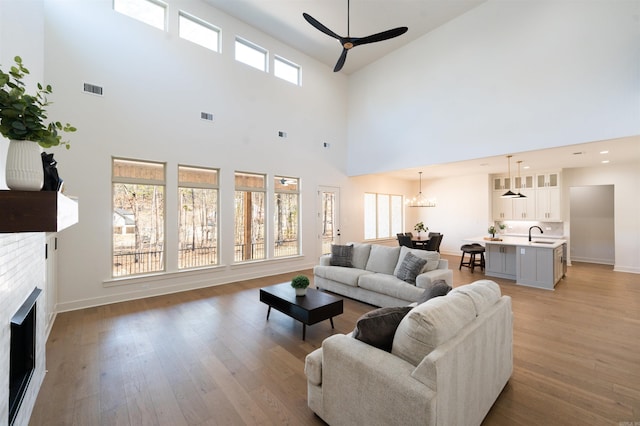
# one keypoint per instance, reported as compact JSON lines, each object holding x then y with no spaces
{"x":22,"y":268}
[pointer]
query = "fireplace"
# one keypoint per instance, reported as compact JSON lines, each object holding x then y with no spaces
{"x":22,"y":352}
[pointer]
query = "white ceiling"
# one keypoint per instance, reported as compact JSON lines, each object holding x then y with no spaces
{"x":282,"y":20}
{"x":619,"y":151}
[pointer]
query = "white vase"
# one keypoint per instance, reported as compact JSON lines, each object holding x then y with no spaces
{"x":24,"y":166}
{"x":301,"y":291}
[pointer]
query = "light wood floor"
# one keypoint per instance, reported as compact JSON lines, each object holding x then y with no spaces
{"x":209,"y":357}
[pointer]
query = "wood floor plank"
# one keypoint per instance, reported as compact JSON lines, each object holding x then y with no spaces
{"x":210,"y":357}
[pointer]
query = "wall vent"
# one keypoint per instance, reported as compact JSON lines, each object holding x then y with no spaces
{"x":92,"y":89}
{"x":206,"y":116}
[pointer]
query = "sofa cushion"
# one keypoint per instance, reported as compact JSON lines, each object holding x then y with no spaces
{"x":391,"y":286}
{"x":432,"y":257}
{"x":383,"y":259}
{"x":348,"y":276}
{"x":410,"y":268}
{"x":360,"y":255}
{"x":483,"y":293}
{"x":436,"y":289}
{"x":341,"y":255}
{"x":377,"y":327}
{"x":430,"y":324}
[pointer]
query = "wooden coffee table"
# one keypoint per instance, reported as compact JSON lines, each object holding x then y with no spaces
{"x":316,"y":306}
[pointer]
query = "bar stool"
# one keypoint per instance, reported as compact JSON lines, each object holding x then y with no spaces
{"x":473,"y":250}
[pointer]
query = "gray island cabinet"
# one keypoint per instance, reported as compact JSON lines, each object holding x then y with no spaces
{"x":540,"y":263}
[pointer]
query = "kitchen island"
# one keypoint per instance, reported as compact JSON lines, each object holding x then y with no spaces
{"x":540,"y":263}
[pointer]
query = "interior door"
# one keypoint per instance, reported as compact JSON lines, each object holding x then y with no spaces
{"x":328,"y":218}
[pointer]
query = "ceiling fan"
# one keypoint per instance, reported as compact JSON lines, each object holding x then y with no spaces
{"x":349,"y":42}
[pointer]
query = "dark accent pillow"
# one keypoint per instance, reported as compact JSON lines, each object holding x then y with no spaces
{"x":377,"y":327}
{"x":410,"y":268}
{"x":341,"y":255}
{"x":438,"y":288}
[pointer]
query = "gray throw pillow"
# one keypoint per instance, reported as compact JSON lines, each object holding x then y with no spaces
{"x":341,"y":255}
{"x":438,"y":288}
{"x":410,"y":268}
{"x":377,"y":327}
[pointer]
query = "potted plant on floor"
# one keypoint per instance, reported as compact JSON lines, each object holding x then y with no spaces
{"x":300,"y":284}
{"x":23,"y":120}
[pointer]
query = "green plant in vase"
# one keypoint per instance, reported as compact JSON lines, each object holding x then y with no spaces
{"x":420,"y":227}
{"x":300,"y":284}
{"x":23,"y":116}
{"x":23,"y":120}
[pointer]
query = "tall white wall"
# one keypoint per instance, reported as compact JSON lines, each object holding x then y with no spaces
{"x":507,"y":76}
{"x":155,"y":86}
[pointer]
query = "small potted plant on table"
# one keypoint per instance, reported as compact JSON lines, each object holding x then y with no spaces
{"x":420,"y":228}
{"x":300,"y":284}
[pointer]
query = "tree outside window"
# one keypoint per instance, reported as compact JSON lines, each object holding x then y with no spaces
{"x":286,"y":216}
{"x":138,"y":217}
{"x":198,"y":227}
{"x":249,"y":222}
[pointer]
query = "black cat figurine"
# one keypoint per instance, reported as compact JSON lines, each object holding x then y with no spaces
{"x":52,"y":181}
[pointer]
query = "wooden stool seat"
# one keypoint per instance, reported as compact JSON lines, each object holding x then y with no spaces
{"x":473,"y":250}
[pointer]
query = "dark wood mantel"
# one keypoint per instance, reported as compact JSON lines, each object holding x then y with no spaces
{"x":36,"y":211}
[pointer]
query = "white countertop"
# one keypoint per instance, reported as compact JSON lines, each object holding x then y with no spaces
{"x":536,"y":241}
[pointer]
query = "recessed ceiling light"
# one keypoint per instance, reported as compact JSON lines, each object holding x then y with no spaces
{"x":526,"y":167}
{"x":604,"y":152}
{"x":605,"y":161}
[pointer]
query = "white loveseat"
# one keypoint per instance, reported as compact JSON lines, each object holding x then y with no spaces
{"x":372,"y":279}
{"x":450,"y":359}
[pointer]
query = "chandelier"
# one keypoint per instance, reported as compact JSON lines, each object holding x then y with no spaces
{"x":420,"y":200}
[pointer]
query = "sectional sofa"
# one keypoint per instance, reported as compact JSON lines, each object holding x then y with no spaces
{"x":449,"y":359}
{"x":373,"y":271}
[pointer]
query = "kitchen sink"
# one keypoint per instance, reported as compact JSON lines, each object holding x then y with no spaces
{"x":543,"y":242}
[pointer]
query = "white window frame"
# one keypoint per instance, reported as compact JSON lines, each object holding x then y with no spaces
{"x":184,"y":16}
{"x":287,"y":63}
{"x":206,"y":186}
{"x":387,"y":223}
{"x":123,"y":7}
{"x":249,"y":45}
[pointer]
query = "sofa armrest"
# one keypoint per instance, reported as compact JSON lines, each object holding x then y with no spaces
{"x":352,"y":369}
{"x":426,"y":279}
{"x":325,"y":260}
{"x":313,"y":367}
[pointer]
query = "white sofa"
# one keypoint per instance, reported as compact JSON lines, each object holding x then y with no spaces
{"x":450,"y":359}
{"x":372,"y":279}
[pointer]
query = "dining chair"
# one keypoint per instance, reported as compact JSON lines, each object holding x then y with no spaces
{"x":404,"y":240}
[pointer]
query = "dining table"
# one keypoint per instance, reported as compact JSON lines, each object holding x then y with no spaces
{"x":419,"y":242}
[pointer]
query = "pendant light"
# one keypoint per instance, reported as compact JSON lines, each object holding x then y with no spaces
{"x":420,"y":200}
{"x":509,"y":193}
{"x":519,"y":194}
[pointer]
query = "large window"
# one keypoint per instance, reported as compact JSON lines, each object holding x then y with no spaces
{"x":382,"y":215}
{"x":286,"y":70}
{"x":150,"y":12}
{"x":198,"y":31}
{"x":138,"y":217}
{"x":286,"y":216}
{"x":249,"y":223}
{"x":251,"y":54}
{"x":198,"y":228}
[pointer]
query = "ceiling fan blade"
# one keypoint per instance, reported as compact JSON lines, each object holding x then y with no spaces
{"x":341,"y":60}
{"x":385,"y":35}
{"x":313,"y":21}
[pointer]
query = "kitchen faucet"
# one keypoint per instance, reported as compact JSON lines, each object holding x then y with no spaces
{"x":532,"y":228}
